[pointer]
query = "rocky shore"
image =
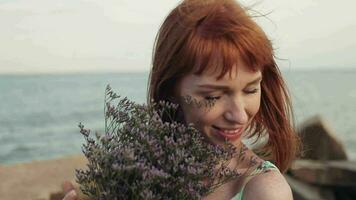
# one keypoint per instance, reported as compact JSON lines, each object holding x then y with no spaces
{"x":322,"y":173}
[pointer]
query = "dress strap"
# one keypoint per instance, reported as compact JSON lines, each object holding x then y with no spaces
{"x":264,"y":167}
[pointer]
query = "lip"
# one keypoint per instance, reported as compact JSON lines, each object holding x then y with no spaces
{"x":228,"y":133}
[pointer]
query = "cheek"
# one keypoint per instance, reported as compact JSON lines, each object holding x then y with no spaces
{"x":200,"y":117}
{"x":254,"y":105}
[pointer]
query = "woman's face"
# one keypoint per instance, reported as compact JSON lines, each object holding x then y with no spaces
{"x":236,"y":99}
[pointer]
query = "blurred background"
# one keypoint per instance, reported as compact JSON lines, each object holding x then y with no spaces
{"x":56,"y":57}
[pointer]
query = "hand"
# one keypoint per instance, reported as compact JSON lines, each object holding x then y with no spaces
{"x":69,"y":191}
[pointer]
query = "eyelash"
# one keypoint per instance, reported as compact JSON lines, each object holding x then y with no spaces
{"x":254,"y":91}
{"x":210,"y":98}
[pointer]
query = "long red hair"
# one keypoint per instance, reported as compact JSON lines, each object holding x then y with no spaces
{"x":201,"y":34}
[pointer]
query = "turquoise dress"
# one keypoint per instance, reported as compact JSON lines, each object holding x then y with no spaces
{"x":266,"y":165}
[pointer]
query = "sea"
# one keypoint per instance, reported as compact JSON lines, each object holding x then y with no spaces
{"x":39,"y":114}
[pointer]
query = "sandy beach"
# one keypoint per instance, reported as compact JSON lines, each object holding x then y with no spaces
{"x":37,"y":180}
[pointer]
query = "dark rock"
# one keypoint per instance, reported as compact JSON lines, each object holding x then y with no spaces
{"x":327,"y":173}
{"x":56,"y":196}
{"x":306,"y":191}
{"x":319,"y":141}
{"x":345,"y":193}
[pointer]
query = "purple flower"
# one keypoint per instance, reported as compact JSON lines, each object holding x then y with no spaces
{"x":141,"y":156}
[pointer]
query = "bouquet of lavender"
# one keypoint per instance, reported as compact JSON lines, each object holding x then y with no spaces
{"x":140,"y":156}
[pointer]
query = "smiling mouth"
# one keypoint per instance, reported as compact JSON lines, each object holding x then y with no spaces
{"x":229,"y":134}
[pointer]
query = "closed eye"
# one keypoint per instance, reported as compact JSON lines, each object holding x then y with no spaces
{"x":212,"y":98}
{"x":253,"y":91}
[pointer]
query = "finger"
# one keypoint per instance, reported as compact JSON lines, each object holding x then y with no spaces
{"x":67,"y":186}
{"x":72,"y":195}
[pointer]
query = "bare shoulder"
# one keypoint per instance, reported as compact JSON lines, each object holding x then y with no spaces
{"x":268,"y":186}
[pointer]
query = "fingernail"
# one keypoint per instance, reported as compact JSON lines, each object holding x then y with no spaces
{"x":72,"y":193}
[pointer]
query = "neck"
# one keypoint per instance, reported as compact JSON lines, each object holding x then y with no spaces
{"x":245,"y":158}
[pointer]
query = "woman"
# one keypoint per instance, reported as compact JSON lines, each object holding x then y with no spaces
{"x":213,"y":50}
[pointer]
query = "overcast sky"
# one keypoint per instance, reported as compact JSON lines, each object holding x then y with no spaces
{"x":59,"y":36}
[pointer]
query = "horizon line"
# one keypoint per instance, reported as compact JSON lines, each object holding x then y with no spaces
{"x":98,"y":72}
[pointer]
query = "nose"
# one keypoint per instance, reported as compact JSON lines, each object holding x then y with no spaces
{"x":236,"y":112}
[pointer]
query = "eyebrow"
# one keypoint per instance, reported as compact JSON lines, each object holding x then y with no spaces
{"x":223,"y":87}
